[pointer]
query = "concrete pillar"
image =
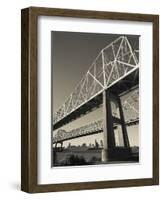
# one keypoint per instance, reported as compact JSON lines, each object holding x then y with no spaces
{"x":119,"y":127}
{"x":120,"y":136}
{"x":123,"y":125}
{"x":61,"y":145}
{"x":109,"y":138}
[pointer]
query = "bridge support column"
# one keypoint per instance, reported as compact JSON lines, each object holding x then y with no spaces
{"x":120,"y":136}
{"x":108,"y":127}
{"x":123,"y":125}
{"x":61,"y":146}
{"x":111,"y":151}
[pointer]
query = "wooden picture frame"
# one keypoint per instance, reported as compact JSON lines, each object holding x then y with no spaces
{"x":29,"y":135}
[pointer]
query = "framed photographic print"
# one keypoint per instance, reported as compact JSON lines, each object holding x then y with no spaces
{"x":90,"y":99}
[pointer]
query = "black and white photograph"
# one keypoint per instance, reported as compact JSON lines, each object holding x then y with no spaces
{"x":90,"y":99}
{"x":95,"y":98}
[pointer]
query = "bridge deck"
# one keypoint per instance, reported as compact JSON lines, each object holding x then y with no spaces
{"x":122,"y":85}
{"x":89,"y":129}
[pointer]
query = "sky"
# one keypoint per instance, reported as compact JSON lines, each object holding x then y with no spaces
{"x":72,"y":55}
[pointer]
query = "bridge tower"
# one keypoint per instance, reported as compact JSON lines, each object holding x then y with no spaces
{"x":111,"y":150}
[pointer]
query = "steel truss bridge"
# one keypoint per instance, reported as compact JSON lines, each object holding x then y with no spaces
{"x":89,"y":129}
{"x":129,"y":104}
{"x":112,"y":77}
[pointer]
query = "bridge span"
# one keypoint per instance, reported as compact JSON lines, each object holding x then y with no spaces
{"x":113,"y":74}
{"x":116,"y":69}
{"x":89,"y":129}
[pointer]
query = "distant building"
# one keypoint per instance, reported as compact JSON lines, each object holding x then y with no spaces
{"x":96,"y":144}
{"x":101,"y":143}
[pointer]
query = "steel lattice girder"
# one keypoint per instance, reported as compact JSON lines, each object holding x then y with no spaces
{"x":115,"y":61}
